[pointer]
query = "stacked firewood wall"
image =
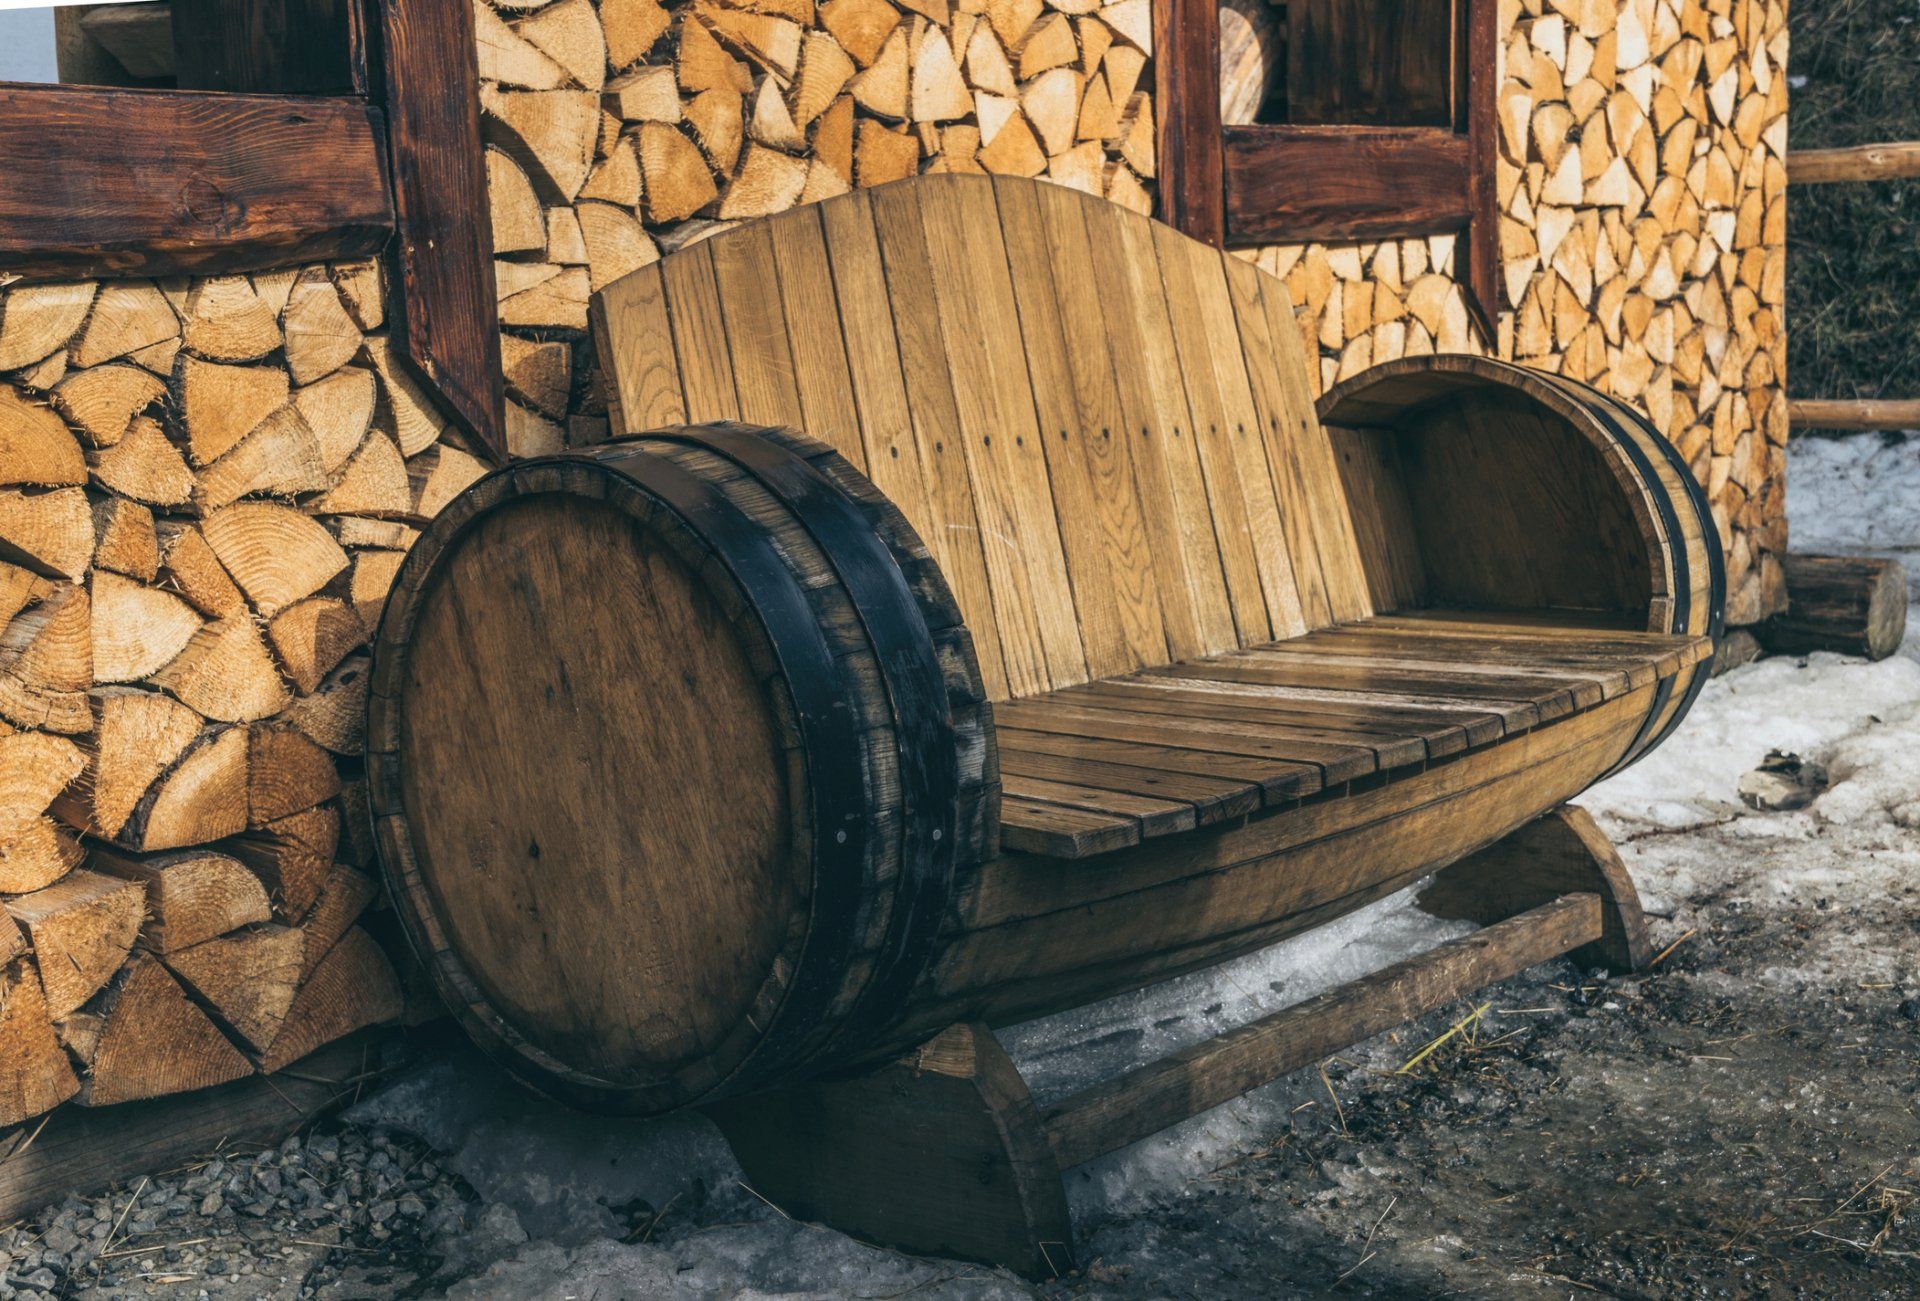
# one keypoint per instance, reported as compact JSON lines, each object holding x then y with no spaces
{"x":1642,"y":186}
{"x":206,"y":488}
{"x":623,"y":129}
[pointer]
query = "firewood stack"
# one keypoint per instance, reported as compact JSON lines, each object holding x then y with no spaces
{"x":1642,"y":186}
{"x":620,"y":129}
{"x":206,"y":488}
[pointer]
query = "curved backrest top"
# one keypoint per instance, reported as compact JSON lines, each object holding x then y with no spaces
{"x":1103,"y":429}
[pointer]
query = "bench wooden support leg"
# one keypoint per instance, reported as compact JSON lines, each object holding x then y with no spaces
{"x":1558,"y":854}
{"x":944,"y":1152}
{"x":940,"y":1153}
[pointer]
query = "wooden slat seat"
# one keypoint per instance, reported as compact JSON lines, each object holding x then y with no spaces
{"x":1104,"y":765}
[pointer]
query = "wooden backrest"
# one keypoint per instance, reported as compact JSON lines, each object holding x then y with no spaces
{"x":1102,"y":428}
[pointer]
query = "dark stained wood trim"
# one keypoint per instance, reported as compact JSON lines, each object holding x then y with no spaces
{"x":1186,"y":37}
{"x":1343,"y":182}
{"x":1481,"y":275}
{"x":446,"y":317}
{"x":120,"y":182}
{"x":280,"y":47}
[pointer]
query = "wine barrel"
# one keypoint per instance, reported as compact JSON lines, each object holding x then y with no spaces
{"x":1668,"y":565}
{"x":673,"y":748}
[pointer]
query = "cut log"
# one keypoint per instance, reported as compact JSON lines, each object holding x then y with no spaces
{"x":292,"y":858}
{"x":150,"y":1039}
{"x":825,"y":69}
{"x":200,"y":798}
{"x":144,"y":466}
{"x":1052,"y":104}
{"x":556,"y":302}
{"x":286,"y":774}
{"x":768,"y":182}
{"x":136,"y":736}
{"x":310,"y":637}
{"x":339,"y":410}
{"x":770,"y":121}
{"x":46,"y":663}
{"x":82,"y":927}
{"x":226,"y":674}
{"x":518,"y":226}
{"x":281,"y":458}
{"x":227,"y":320}
{"x":1252,"y":45}
{"x":37,"y":858}
{"x":333,"y":714}
{"x":192,"y":896}
{"x":538,"y":373}
{"x":646,"y":94}
{"x":356,"y":533}
{"x":373,"y":575}
{"x":632,"y":29}
{"x":531,"y":434}
{"x":405,"y":411}
{"x":321,"y":335}
{"x":34,"y":768}
{"x":363,"y":292}
{"x":773,"y":43}
{"x":127,"y":315}
{"x":616,"y":177}
{"x":616,"y":243}
{"x":881,"y":87}
{"x":247,"y":979}
{"x":1013,"y":150}
{"x":882,"y":155}
{"x":675,"y":173}
{"x":21,"y":589}
{"x":136,"y":629}
{"x":345,"y":897}
{"x":438,"y":475}
{"x":222,"y":404}
{"x":509,"y":59}
{"x":35,"y":1075}
{"x":102,"y":402}
{"x":1855,"y":605}
{"x":125,"y":540}
{"x":701,"y":64}
{"x":569,"y":33}
{"x":39,"y":320}
{"x":861,"y":26}
{"x":552,"y":134}
{"x":35,"y":447}
{"x":189,"y":567}
{"x":833,"y":138}
{"x":50,"y":532}
{"x":276,"y":554}
{"x":353,"y":987}
{"x":373,"y":482}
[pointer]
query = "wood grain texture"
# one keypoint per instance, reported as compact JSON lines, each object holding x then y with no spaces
{"x":276,"y":47}
{"x":108,"y":183}
{"x":1191,"y":164}
{"x":443,"y":259}
{"x":1856,"y":605}
{"x":1370,"y":63}
{"x":1339,"y":183}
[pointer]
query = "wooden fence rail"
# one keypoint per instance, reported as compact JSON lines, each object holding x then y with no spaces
{"x":1892,"y":161}
{"x":1881,"y":162}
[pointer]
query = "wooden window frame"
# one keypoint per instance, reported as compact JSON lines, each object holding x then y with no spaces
{"x":108,"y":182}
{"x":1264,"y":184}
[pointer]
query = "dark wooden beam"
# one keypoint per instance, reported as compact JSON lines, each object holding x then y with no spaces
{"x":1480,"y":76}
{"x":443,"y":259}
{"x":1186,"y":37}
{"x":282,"y":47}
{"x":1286,"y":183}
{"x":151,"y":182}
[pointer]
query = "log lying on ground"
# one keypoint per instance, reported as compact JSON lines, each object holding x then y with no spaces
{"x":1856,"y":605}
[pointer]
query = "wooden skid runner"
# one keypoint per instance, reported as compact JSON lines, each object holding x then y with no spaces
{"x":944,"y":1152}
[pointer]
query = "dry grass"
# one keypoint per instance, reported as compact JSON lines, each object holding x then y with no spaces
{"x":1853,"y":251}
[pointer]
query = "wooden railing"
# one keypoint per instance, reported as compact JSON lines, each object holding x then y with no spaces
{"x":1882,"y":162}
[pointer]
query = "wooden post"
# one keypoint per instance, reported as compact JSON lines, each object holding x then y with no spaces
{"x":1856,"y":605}
{"x":1558,"y":854}
{"x":940,"y":1153}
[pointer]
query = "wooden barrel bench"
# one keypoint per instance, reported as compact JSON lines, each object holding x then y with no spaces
{"x":979,"y":619}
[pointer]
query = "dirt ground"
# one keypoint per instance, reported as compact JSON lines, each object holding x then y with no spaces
{"x":1741,"y":1120}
